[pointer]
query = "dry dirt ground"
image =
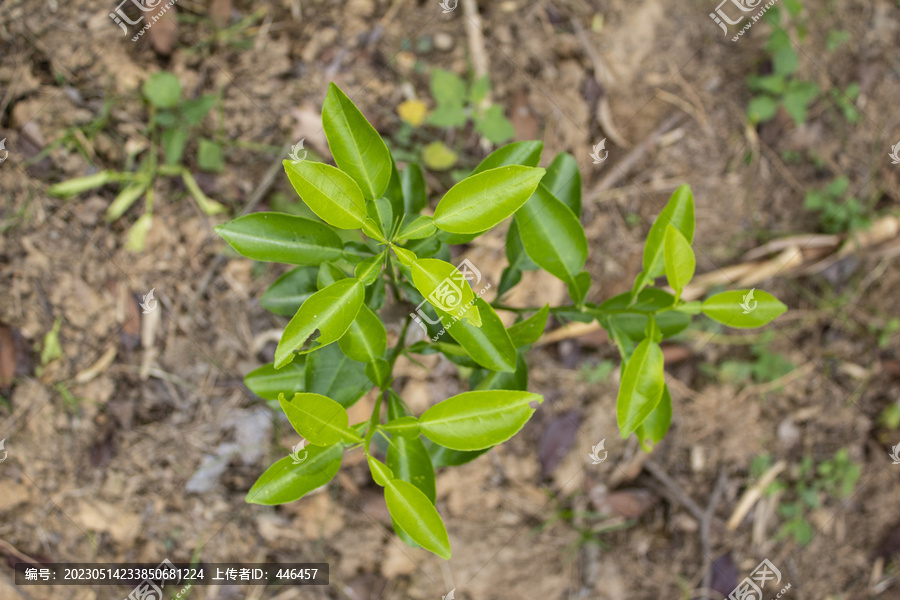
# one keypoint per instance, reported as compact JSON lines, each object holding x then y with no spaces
{"x":103,"y":441}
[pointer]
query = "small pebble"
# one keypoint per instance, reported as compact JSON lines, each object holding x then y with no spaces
{"x":443,"y":41}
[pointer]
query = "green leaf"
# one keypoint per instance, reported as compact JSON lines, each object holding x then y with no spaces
{"x":445,"y":288}
{"x":289,"y":291}
{"x":379,"y":372}
{"x":268,"y":383}
{"x":518,"y":153}
{"x":761,"y":109}
{"x":449,"y":116}
{"x":679,"y":212}
{"x":488,"y":345}
{"x":277,"y":237}
{"x":162,"y":89}
{"x":743,"y":308}
{"x":563,"y":179}
{"x":330,"y":311}
{"x":579,"y":286}
{"x":421,"y":227}
{"x":394,"y":192}
{"x":441,"y":456}
{"x":319,"y":420}
{"x":531,"y":329}
{"x":477,"y":203}
{"x":329,"y":192}
{"x":479,"y":90}
{"x":414,"y":513}
{"x":380,"y":472}
{"x":381,"y":212}
{"x":207,"y":205}
{"x":355,"y":145}
{"x":173,"y":141}
{"x":438,"y":157}
{"x":406,"y":427}
{"x":656,"y":425}
{"x":368,"y":270}
{"x":494,"y":125}
{"x":285,"y":482}
{"x":405,"y":257}
{"x":509,"y":278}
{"x":515,"y":250}
{"x":407,"y":457}
{"x":194,"y":111}
{"x":366,"y":339}
{"x":552,"y":235}
{"x":138,"y":233}
{"x":482,"y":379}
{"x":126,"y":198}
{"x":785,"y":61}
{"x":415,"y":194}
{"x":73,"y":187}
{"x":479,"y":419}
{"x":209,"y":156}
{"x":328,"y":274}
{"x":447,"y":87}
{"x":679,"y":259}
{"x":330,"y":373}
{"x":641,"y":388}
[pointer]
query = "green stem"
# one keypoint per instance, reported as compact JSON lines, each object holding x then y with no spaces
{"x":401,"y":342}
{"x":373,"y":422}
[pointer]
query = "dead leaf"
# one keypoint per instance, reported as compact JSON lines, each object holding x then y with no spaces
{"x":164,"y":33}
{"x":523,"y":118}
{"x":630,"y":504}
{"x":557,"y":440}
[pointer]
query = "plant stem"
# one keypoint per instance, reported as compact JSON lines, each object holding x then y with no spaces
{"x":401,"y":342}
{"x":373,"y":422}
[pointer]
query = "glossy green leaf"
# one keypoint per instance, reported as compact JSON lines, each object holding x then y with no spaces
{"x":320,"y":420}
{"x":355,"y":145}
{"x":648,"y":301}
{"x":289,"y":291}
{"x":641,"y":388}
{"x":552,"y":235}
{"x":285,"y":481}
{"x":441,"y":456}
{"x":366,"y":339}
{"x":368,"y":270}
{"x":477,"y":203}
{"x":414,"y":513}
{"x":515,"y":250}
{"x":405,"y":257}
{"x":445,"y":288}
{"x":394,"y":192}
{"x":381,"y":473}
{"x":743,"y":308}
{"x":518,"y":153}
{"x":415,"y":194}
{"x":531,"y":329}
{"x":406,"y":427}
{"x":509,"y":278}
{"x":578,"y":287}
{"x":331,"y":373}
{"x":328,"y":274}
{"x":563,"y":179}
{"x":379,"y":372}
{"x":380,"y":211}
{"x":476,"y":420}
{"x":679,"y":258}
{"x":267,"y":382}
{"x":329,"y":311}
{"x":656,"y":425}
{"x":407,"y":457}
{"x":678,"y":212}
{"x":356,"y":252}
{"x":482,"y":379}
{"x":489,"y":345}
{"x":421,"y":227}
{"x":277,"y":237}
{"x":329,"y":192}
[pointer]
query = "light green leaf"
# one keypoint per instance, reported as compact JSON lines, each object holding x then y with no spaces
{"x":421,"y":227}
{"x":328,"y":274}
{"x":552,"y":235}
{"x":366,"y":339}
{"x":380,"y":211}
{"x":518,"y":153}
{"x":494,"y":125}
{"x":380,"y":472}
{"x":207,"y":205}
{"x":563,"y":179}
{"x":277,"y":237}
{"x":743,"y":308}
{"x":656,"y":425}
{"x":355,"y":145}
{"x":488,"y":345}
{"x":679,"y":212}
{"x":125,"y":199}
{"x":679,"y":259}
{"x":173,"y":141}
{"x":414,"y":513}
{"x":73,"y":187}
{"x":379,"y":372}
{"x":447,"y":87}
{"x":445,"y":288}
{"x":407,"y":457}
{"x":579,"y":286}
{"x":482,"y":379}
{"x":268,"y":383}
{"x":405,"y":257}
{"x":330,"y":373}
{"x":162,"y":89}
{"x":477,"y":203}
{"x":531,"y":329}
{"x":320,"y":420}
{"x":209,"y":156}
{"x":515,"y":250}
{"x":438,"y":157}
{"x":285,"y":481}
{"x":330,"y":311}
{"x":441,"y":456}
{"x":761,"y":109}
{"x":329,"y":192}
{"x":194,"y":111}
{"x":641,"y":388}
{"x":476,"y":420}
{"x":368,"y":270}
{"x":138,"y":233}
{"x":289,"y":291}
